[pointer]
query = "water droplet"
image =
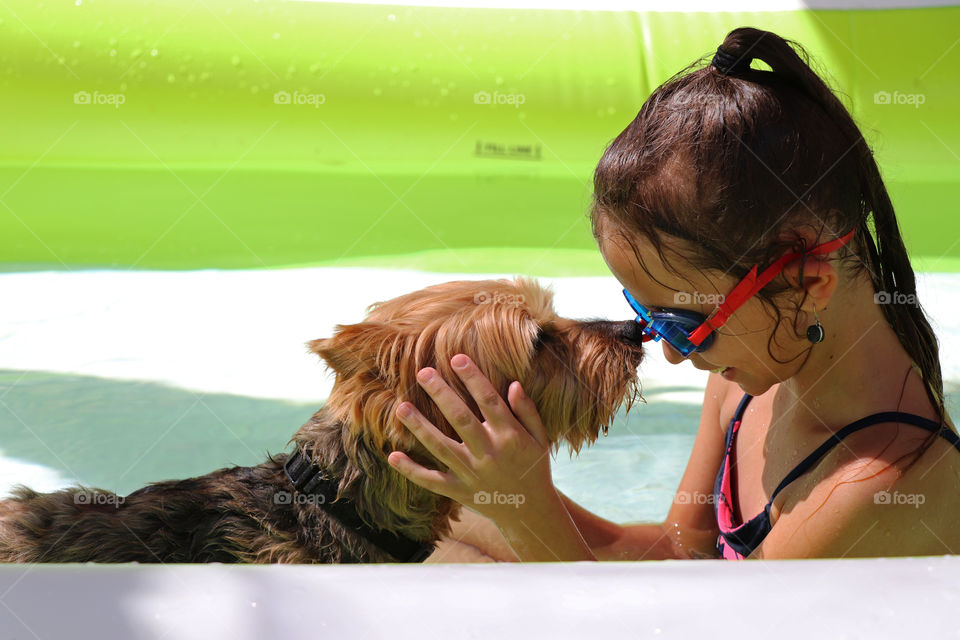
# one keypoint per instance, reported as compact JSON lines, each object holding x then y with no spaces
{"x":154,"y":53}
{"x":392,"y":18}
{"x":113,"y":52}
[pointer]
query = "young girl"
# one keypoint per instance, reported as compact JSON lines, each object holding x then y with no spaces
{"x":823,"y":432}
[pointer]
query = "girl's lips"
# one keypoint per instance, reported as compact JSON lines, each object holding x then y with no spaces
{"x":726,"y":372}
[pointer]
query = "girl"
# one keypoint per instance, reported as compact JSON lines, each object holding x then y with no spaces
{"x":823,"y":432}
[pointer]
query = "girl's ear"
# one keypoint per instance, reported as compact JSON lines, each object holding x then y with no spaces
{"x":819,"y":279}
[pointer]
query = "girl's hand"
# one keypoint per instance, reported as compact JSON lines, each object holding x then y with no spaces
{"x":502,"y":467}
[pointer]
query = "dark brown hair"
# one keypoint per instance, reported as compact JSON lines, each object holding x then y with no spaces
{"x":737,"y":165}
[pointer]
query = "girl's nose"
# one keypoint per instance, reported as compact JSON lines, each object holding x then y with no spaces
{"x":672,"y":355}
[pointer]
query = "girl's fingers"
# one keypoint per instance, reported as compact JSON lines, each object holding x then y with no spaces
{"x":444,"y":449}
{"x":489,"y":400}
{"x":430,"y":479}
{"x":454,"y":409}
{"x":526,"y":411}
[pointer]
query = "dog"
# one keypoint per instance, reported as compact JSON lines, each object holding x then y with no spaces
{"x":334,"y":498}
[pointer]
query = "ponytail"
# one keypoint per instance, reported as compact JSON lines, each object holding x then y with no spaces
{"x":725,"y":128}
{"x":883,"y":251}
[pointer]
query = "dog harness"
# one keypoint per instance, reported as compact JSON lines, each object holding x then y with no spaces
{"x":738,"y":540}
{"x":308,"y":478}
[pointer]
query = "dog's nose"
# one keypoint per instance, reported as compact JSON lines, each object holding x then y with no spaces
{"x":629,"y":331}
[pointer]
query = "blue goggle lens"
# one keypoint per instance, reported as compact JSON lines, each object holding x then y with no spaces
{"x":674,"y":326}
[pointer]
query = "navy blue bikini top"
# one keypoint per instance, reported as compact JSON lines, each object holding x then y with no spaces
{"x":737,"y":541}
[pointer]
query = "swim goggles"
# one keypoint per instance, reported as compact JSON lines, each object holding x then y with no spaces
{"x":689,"y":331}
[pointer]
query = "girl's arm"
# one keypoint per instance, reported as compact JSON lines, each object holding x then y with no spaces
{"x":508,"y":454}
{"x":688,"y":532}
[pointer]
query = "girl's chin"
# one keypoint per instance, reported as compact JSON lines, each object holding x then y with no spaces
{"x":747,"y":384}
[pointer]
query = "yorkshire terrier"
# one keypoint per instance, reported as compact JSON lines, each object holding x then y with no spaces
{"x":335,"y":499}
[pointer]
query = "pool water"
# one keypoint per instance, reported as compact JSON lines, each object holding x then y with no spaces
{"x":115,"y":379}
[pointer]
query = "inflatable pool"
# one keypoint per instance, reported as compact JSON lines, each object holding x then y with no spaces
{"x":217,"y":134}
{"x":179,"y":178}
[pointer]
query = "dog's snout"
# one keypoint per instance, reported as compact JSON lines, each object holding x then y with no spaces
{"x":629,"y":331}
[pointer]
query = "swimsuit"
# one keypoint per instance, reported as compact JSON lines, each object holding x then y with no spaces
{"x":737,"y":541}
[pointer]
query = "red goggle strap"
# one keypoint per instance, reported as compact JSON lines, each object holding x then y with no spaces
{"x":752,"y":284}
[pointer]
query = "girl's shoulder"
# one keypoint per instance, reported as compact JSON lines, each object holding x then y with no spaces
{"x":730,"y":395}
{"x":865,"y":498}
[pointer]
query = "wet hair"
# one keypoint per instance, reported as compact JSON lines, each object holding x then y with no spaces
{"x":744,"y":165}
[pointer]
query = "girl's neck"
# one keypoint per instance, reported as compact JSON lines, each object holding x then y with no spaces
{"x":859,"y":369}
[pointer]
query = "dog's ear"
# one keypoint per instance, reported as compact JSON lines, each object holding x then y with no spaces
{"x":357,"y":348}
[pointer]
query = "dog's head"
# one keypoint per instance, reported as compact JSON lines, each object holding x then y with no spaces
{"x":578,"y":373}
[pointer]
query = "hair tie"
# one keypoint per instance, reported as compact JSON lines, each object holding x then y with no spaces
{"x":728,"y":64}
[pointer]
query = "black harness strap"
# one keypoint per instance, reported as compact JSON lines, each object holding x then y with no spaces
{"x":309,"y":479}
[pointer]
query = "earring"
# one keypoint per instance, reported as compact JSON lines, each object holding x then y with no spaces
{"x":815,"y":332}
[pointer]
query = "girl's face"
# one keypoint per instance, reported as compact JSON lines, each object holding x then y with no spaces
{"x":741,"y":348}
